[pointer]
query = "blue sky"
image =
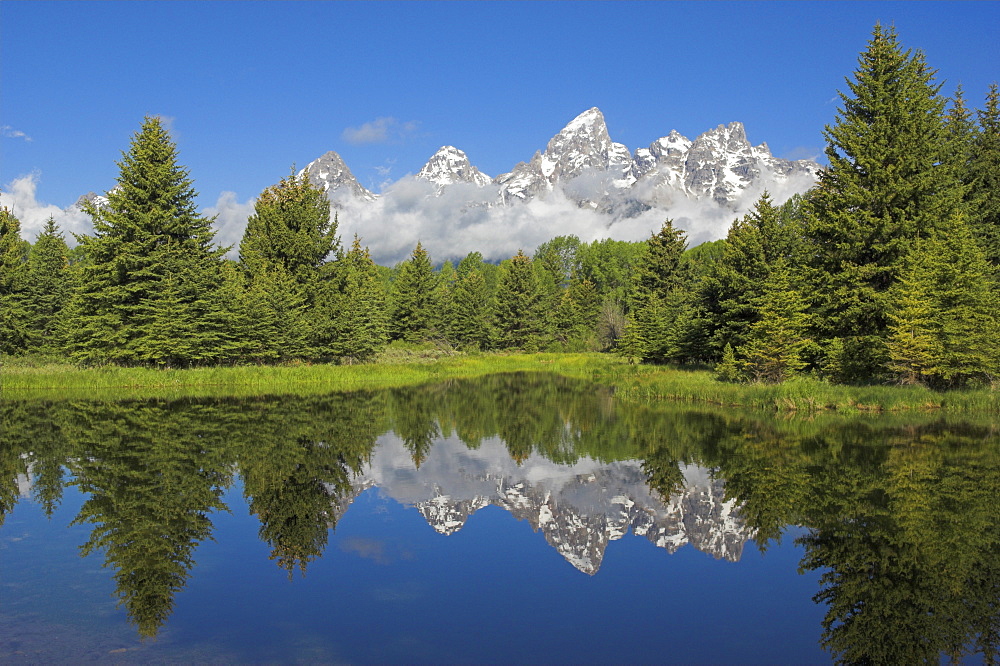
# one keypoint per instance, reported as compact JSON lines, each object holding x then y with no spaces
{"x":250,"y":88}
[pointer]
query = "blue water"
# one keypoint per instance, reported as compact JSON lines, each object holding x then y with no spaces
{"x":389,"y":589}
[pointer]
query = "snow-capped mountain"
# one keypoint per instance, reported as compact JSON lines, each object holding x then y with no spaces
{"x":579,"y":508}
{"x":595,"y":172}
{"x":330,"y":174}
{"x":448,"y":166}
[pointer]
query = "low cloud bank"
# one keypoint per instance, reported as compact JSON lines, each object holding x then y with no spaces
{"x":463,"y":218}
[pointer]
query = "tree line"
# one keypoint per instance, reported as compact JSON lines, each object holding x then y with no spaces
{"x":887,"y":270}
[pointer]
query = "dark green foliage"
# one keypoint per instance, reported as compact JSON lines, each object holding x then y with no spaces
{"x":471,"y":311}
{"x":519,"y":305}
{"x":49,"y":283}
{"x":151,"y":267}
{"x":984,"y":180}
{"x":661,"y":304}
{"x":13,"y":277}
{"x":359,"y":317}
{"x":944,"y":313}
{"x":882,"y":191}
{"x":291,"y":229}
{"x":413,"y":306}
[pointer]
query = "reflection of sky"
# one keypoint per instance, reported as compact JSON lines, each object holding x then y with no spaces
{"x":389,"y":589}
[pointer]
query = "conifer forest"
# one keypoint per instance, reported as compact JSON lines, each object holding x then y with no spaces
{"x":887,"y":271}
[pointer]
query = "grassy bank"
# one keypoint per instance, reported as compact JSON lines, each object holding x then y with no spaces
{"x":27,"y":378}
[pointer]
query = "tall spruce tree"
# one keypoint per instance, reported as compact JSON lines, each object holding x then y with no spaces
{"x":984,"y":168}
{"x":48,"y":287}
{"x":362,"y":320}
{"x":660,"y":304}
{"x":152,"y":265}
{"x":13,"y":275}
{"x":889,"y":182}
{"x":519,"y":305}
{"x":414,"y":308}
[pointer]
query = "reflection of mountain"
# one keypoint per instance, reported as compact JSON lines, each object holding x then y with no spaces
{"x":579,"y":507}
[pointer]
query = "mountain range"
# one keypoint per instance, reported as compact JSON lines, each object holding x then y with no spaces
{"x":590,"y":169}
{"x":579,"y":508}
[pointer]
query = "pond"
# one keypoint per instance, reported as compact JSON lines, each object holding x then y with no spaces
{"x":513,"y":519}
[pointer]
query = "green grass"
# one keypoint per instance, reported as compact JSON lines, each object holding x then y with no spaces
{"x":49,"y":378}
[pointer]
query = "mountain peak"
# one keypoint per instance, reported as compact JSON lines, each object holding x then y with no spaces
{"x":448,"y":166}
{"x":592,"y":117}
{"x":329,"y":173}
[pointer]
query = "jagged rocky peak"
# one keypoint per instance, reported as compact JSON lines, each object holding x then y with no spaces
{"x":448,"y":166}
{"x":332,"y":175}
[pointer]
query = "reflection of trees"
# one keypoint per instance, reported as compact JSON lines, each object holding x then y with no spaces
{"x":153,"y":473}
{"x":298,"y":458}
{"x":902,"y":519}
{"x":912,"y":550}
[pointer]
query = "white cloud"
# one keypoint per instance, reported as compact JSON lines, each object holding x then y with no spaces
{"x":10,"y":132}
{"x":380,"y":130}
{"x":19,"y":196}
{"x":230,"y":220}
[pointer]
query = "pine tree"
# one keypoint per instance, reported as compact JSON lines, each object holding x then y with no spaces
{"x":884,"y":189}
{"x":945,"y":313}
{"x":659,"y":299}
{"x":151,"y":254}
{"x":13,"y":251}
{"x":776,"y":342}
{"x":915,"y":347}
{"x":291,"y":229}
{"x":519,"y":305}
{"x":48,"y":287}
{"x":362,"y":325}
{"x":735,"y":283}
{"x":984,"y":192}
{"x":472,"y":310}
{"x":413,"y":292}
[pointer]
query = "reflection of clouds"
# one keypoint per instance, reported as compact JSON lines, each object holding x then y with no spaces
{"x":373,"y":549}
{"x":369,"y":549}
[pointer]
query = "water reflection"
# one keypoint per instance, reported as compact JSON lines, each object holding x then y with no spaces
{"x":901,"y":517}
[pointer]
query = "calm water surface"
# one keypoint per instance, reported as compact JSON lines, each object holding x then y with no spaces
{"x":514,"y":519}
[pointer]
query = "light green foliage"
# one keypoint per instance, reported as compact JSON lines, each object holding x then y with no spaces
{"x":609,"y":265}
{"x":776,"y":341}
{"x":944,"y":313}
{"x":151,"y":258}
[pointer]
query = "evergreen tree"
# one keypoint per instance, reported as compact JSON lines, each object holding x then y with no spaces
{"x":984,"y":168}
{"x":414,"y":309}
{"x":776,"y":341}
{"x":944,"y":313}
{"x":519,"y":305}
{"x":13,"y":250}
{"x":885,"y":187}
{"x":48,"y":287}
{"x":659,"y":303}
{"x":361,"y":320}
{"x":735,"y":283}
{"x":291,"y":229}
{"x":284,"y":251}
{"x":472,"y":310}
{"x":151,"y":257}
